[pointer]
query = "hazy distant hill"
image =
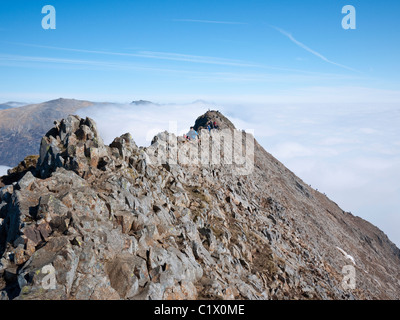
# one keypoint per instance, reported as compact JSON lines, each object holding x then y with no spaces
{"x":141,"y":102}
{"x":22,"y":128}
{"x":11,"y":104}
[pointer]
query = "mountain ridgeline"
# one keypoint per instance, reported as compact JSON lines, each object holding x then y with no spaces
{"x":122,"y":222}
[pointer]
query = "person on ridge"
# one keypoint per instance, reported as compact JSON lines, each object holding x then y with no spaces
{"x":192,"y":134}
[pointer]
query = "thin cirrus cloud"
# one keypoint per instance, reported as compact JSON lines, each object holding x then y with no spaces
{"x":175,"y":57}
{"x":156,"y":55}
{"x":17,"y":60}
{"x":193,"y":58}
{"x":207,"y":21}
{"x":85,"y":64}
{"x":315,"y":53}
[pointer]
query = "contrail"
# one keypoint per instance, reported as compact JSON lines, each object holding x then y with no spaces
{"x":207,"y":21}
{"x":315,"y":53}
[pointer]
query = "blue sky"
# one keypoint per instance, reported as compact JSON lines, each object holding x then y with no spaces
{"x":195,"y":49}
{"x":325,"y":101}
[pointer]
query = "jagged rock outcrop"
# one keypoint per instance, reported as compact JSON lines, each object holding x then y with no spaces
{"x":179,"y":220}
{"x":74,"y":144}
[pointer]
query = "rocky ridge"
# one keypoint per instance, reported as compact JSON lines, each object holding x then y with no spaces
{"x":122,"y":222}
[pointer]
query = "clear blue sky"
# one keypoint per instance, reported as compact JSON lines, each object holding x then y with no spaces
{"x":120,"y":50}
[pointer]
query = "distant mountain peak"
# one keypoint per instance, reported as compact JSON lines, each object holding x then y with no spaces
{"x":63,"y":100}
{"x":141,"y":102}
{"x":11,"y":104}
{"x":201,"y":101}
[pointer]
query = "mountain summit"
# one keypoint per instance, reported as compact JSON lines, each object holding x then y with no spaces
{"x":213,"y":116}
{"x":179,"y":220}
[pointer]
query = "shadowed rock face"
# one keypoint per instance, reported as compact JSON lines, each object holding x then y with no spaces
{"x":113,"y":222}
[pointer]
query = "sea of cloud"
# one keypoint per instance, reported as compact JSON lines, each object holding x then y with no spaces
{"x":3,"y":170}
{"x":351,"y":152}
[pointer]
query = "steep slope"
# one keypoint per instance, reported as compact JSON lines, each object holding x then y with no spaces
{"x":179,"y":220}
{"x":22,"y":128}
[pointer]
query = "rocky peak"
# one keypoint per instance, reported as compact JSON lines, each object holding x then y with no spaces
{"x":213,"y":115}
{"x":74,"y":144}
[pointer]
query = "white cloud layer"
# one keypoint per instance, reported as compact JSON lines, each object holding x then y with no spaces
{"x":3,"y":170}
